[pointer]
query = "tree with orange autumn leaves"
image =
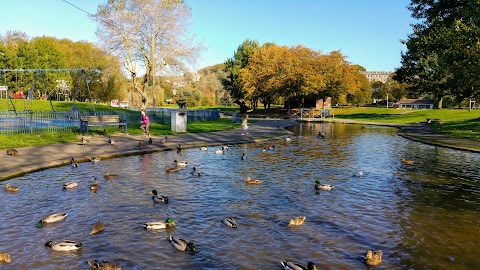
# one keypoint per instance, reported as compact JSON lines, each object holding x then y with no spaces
{"x":294,"y":73}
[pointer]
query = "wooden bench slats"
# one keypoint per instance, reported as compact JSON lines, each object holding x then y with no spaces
{"x":101,"y":120}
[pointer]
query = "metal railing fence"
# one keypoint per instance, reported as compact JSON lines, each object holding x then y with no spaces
{"x":37,"y":122}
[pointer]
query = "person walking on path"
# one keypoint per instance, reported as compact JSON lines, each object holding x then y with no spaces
{"x":245,"y":124}
{"x":145,"y":123}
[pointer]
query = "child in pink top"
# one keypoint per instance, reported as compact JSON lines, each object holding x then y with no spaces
{"x":145,"y":123}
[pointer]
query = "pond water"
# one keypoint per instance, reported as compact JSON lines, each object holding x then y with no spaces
{"x":422,"y":216}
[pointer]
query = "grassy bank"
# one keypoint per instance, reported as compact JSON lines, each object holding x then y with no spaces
{"x":156,"y":129}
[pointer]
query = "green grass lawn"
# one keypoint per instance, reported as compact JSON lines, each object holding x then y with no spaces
{"x":455,"y":122}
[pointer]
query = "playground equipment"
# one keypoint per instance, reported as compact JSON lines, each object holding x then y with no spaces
{"x":39,"y":75}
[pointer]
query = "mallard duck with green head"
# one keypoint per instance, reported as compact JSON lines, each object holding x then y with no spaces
{"x":159,"y":225}
{"x":320,"y":186}
{"x":51,"y":219}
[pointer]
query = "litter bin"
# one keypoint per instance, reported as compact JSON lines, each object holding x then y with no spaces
{"x":179,"y":121}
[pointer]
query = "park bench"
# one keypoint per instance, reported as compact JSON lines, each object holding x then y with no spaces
{"x":101,"y":121}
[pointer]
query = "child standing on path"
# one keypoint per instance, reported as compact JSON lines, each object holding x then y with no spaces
{"x":145,"y":123}
{"x":245,"y":124}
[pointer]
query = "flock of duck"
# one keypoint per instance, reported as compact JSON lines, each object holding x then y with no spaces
{"x":371,"y":258}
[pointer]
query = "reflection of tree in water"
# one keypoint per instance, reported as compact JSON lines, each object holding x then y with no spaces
{"x":440,"y":208}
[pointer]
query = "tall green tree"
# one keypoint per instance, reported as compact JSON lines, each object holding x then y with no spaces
{"x":443,"y":52}
{"x":233,"y":66}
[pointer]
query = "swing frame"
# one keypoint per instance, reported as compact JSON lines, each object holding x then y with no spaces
{"x":41,"y":73}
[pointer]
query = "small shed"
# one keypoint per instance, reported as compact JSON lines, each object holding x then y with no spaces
{"x":408,"y":103}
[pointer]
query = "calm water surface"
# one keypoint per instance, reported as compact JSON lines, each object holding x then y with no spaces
{"x":423,"y":216}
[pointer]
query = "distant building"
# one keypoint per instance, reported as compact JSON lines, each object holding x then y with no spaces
{"x":407,"y":103}
{"x":380,"y":76}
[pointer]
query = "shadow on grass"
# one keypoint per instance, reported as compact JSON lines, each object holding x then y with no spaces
{"x":469,"y":129}
{"x":367,"y":116}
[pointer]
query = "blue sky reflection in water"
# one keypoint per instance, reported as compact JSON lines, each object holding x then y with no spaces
{"x":421,"y":216}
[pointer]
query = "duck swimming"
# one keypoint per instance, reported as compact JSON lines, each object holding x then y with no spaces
{"x":297,"y":221}
{"x":172,"y":169}
{"x":95,"y":185}
{"x":196,"y":173}
{"x":297,"y":266}
{"x":158,"y":199}
{"x":12,"y":189}
{"x":220,"y":152}
{"x":243,"y":156}
{"x":180,"y":163}
{"x":97,"y":227}
{"x":73,"y":163}
{"x":230,"y":222}
{"x":66,"y":245}
{"x":373,"y":257}
{"x":321,"y":186}
{"x":51,"y":219}
{"x":70,"y":185}
{"x":158,"y":225}
{"x":103,"y":265}
{"x":109,"y":175}
{"x":249,"y":181}
{"x":94,"y":159}
{"x":5,"y":258}
{"x":203,"y":148}
{"x":182,"y":244}
{"x":407,"y":161}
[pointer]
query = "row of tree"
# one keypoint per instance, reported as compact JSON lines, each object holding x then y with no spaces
{"x":19,"y":52}
{"x":270,"y":73}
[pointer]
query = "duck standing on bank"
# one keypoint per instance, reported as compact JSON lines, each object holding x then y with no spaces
{"x":12,"y":152}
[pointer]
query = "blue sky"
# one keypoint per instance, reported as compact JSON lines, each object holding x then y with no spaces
{"x":368,"y":32}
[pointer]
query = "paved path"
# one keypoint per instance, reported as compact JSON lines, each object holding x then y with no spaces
{"x":36,"y":158}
